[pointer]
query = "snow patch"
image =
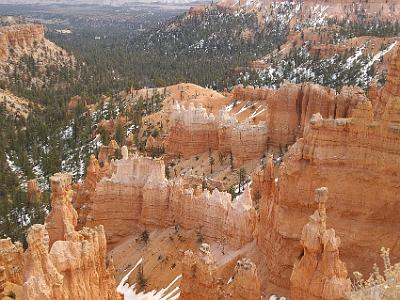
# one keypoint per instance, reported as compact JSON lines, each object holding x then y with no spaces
{"x":129,"y":292}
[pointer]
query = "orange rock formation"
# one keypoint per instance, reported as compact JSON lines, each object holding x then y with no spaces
{"x":11,"y":264}
{"x":245,"y":283}
{"x":319,"y":274}
{"x":358,"y":160}
{"x":204,"y":278}
{"x":147,"y":199}
{"x":33,"y":191}
{"x":289,"y":109}
{"x":19,"y":36}
{"x":61,"y":221}
{"x":62,"y":263}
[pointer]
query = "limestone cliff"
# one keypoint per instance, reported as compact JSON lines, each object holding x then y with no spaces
{"x":319,"y":274}
{"x":21,"y":40}
{"x":304,"y":10}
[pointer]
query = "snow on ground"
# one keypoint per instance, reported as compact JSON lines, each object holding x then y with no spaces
{"x":378,"y":56}
{"x":352,"y":59}
{"x":256,"y":113}
{"x":245,"y":107}
{"x":274,"y":297}
{"x":129,"y":292}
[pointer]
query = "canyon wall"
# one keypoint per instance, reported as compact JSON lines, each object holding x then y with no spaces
{"x":288,"y":108}
{"x":138,"y":195}
{"x":194,"y":131}
{"x":358,"y":159}
{"x":19,"y":36}
{"x":342,"y":9}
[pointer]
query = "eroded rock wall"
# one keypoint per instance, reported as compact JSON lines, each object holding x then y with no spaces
{"x":19,"y":36}
{"x":288,"y":110}
{"x":358,"y":159}
{"x":138,"y":195}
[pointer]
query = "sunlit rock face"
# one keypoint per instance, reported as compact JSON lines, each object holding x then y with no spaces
{"x":11,"y":263}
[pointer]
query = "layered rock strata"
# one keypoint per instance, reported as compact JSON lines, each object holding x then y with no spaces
{"x":288,"y":110}
{"x":319,"y":274}
{"x":195,"y":131}
{"x":358,"y":159}
{"x":147,"y":199}
{"x":19,"y":36}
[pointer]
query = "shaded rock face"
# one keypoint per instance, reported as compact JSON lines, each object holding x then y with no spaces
{"x":291,"y":106}
{"x":319,"y":274}
{"x":145,"y":198}
{"x":19,"y":36}
{"x":289,"y":109}
{"x":358,"y":159}
{"x":61,"y":263}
